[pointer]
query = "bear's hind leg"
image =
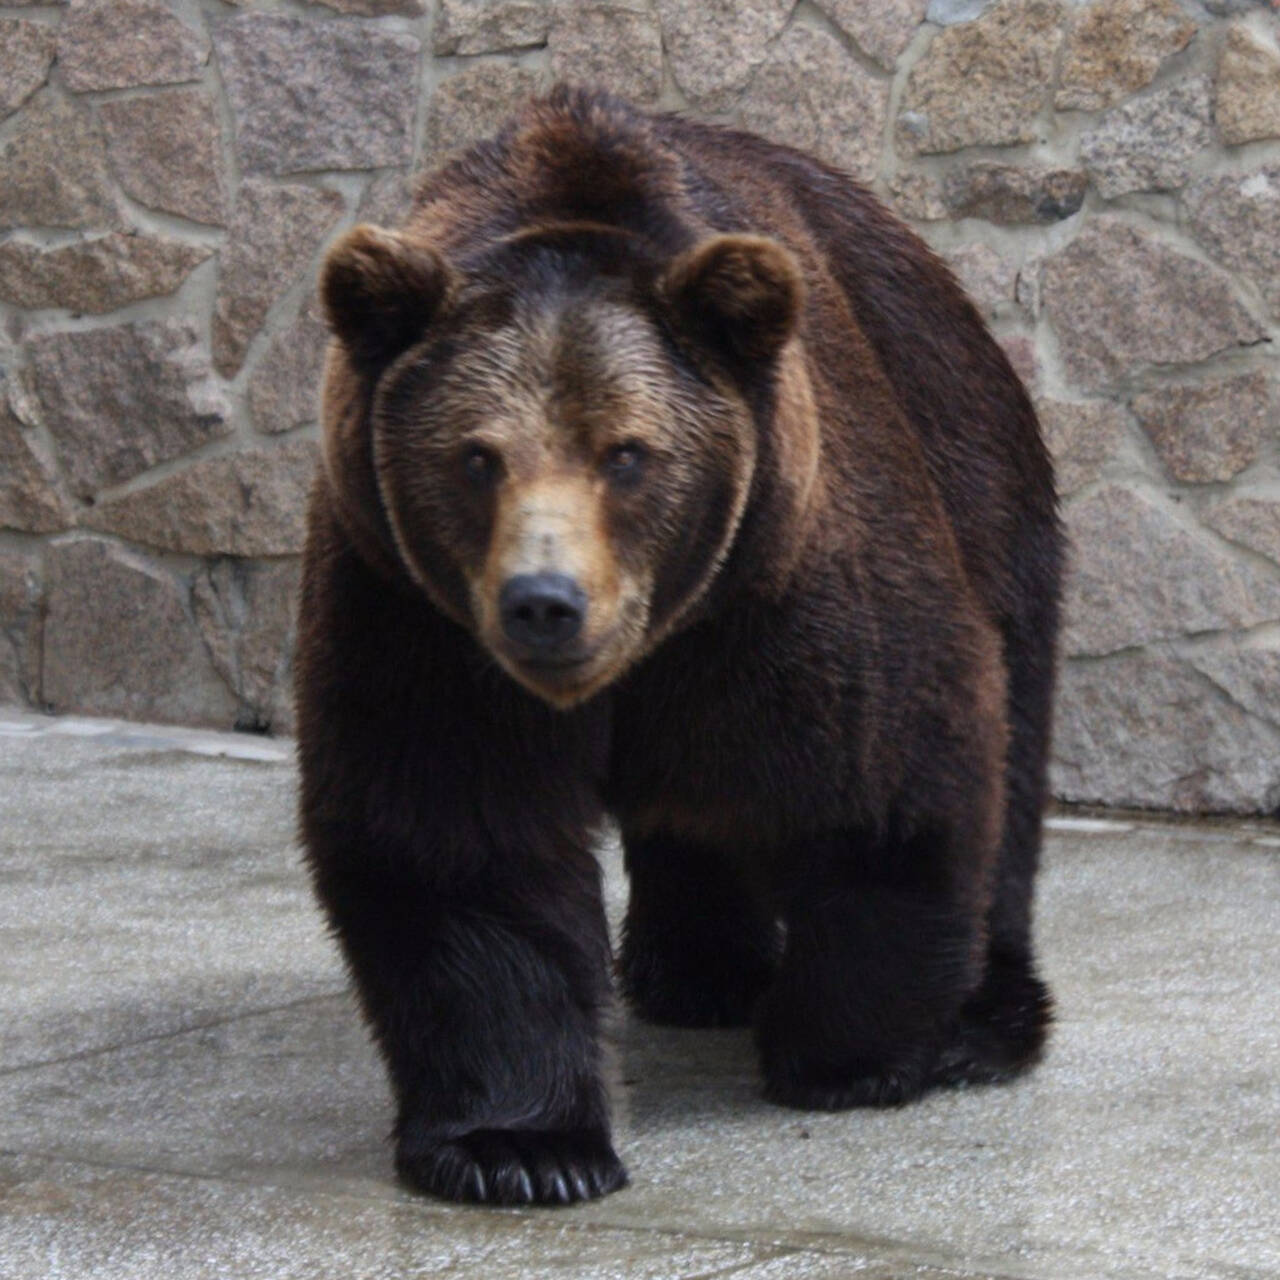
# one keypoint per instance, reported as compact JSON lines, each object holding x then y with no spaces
{"x":875,"y":973}
{"x":1004,"y":1024}
{"x":1002,"y":1027}
{"x":698,"y":946}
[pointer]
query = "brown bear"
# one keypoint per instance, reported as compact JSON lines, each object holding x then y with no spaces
{"x":668,"y":477}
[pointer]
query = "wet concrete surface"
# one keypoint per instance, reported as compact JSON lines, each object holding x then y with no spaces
{"x":186,"y":1089}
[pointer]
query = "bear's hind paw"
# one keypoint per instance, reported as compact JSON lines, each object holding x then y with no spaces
{"x":1001,"y":1030}
{"x":717,"y":987}
{"x":696,"y":1003}
{"x":862,"y":1085}
{"x":514,"y":1167}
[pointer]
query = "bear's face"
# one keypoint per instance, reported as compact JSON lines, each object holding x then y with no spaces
{"x":561,"y":461}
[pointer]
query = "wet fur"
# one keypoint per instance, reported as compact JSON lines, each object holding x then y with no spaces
{"x":837,"y":719}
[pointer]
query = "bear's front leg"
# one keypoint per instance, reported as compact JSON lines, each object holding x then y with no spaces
{"x":484,"y":999}
{"x":498,"y":1076}
{"x":449,"y":819}
{"x":872,"y":980}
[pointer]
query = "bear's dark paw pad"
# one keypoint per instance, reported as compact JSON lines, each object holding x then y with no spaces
{"x":1001,"y":1032}
{"x":514,"y":1167}
{"x":860,"y":1085}
{"x":705,"y":991}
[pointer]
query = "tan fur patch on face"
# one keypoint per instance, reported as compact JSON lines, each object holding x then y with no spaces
{"x":553,"y":523}
{"x":559,"y":397}
{"x":557,"y":523}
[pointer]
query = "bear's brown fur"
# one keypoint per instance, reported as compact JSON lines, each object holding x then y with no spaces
{"x":667,"y":476}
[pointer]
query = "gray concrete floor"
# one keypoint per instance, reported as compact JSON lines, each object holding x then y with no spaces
{"x":186,"y":1090}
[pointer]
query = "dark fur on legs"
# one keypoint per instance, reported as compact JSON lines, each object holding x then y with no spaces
{"x":1001,"y":1029}
{"x":698,"y":947}
{"x":872,"y":976}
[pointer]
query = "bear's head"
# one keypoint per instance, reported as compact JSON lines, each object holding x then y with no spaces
{"x":557,"y":437}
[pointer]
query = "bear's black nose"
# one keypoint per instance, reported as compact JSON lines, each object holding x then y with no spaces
{"x":542,"y":611}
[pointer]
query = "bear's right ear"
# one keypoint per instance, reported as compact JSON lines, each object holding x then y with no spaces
{"x":380,"y":291}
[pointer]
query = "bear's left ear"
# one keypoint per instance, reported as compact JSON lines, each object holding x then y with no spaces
{"x":739,"y":291}
{"x":381,"y":290}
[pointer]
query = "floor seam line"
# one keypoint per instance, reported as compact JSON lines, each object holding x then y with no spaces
{"x":85,"y":1054}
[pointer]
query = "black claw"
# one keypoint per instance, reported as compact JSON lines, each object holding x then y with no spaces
{"x":527,"y":1167}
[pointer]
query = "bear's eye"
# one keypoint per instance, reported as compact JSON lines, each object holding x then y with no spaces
{"x":480,"y":466}
{"x":623,"y":461}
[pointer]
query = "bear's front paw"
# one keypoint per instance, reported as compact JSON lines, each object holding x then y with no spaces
{"x":514,"y":1166}
{"x":858,"y":1083}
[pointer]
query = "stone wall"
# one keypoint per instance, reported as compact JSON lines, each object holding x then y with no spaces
{"x":1104,"y":177}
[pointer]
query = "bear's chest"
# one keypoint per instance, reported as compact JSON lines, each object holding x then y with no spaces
{"x":733,"y":750}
